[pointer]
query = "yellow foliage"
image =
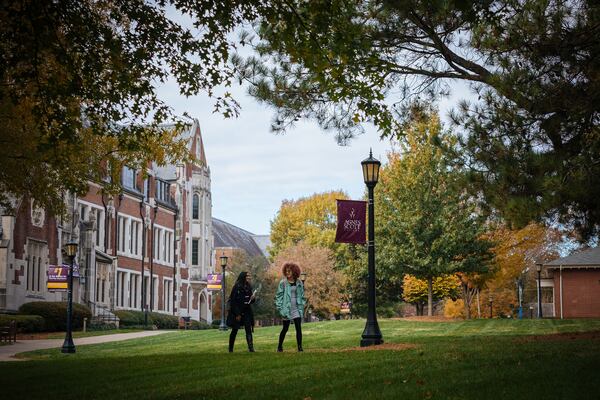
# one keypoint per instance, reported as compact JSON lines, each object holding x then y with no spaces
{"x":454,"y":308}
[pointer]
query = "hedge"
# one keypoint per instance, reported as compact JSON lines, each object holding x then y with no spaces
{"x":199,"y":325}
{"x":129,"y":318}
{"x":55,"y":314}
{"x":25,"y":323}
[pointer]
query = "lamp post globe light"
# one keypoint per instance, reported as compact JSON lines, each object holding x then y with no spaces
{"x":371,"y":335}
{"x":539,"y":289}
{"x":223,"y":260}
{"x":68,"y":345}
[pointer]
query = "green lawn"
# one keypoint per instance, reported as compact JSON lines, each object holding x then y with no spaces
{"x":484,"y":359}
{"x":81,"y":334}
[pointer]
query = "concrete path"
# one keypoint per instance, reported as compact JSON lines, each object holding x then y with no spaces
{"x":7,"y":352}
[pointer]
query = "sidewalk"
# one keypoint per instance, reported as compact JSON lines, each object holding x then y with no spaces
{"x":7,"y":352}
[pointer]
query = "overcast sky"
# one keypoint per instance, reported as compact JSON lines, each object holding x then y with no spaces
{"x":254,"y":170}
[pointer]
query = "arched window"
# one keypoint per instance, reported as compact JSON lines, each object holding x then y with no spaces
{"x":195,"y":206}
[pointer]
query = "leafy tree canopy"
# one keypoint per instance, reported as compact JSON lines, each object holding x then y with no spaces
{"x":415,"y":290}
{"x":78,"y":86}
{"x":426,"y":225}
{"x":532,"y":138}
{"x":311,"y":219}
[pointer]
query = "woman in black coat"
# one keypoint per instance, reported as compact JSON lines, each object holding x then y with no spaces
{"x":240,"y":311}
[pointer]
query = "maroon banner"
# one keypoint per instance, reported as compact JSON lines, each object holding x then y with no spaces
{"x":351,"y":226}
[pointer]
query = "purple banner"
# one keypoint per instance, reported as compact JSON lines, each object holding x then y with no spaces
{"x":351,"y":226}
{"x":60,"y":273}
{"x":213,"y":281}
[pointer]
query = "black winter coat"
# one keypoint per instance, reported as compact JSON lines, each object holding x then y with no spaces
{"x":240,"y":295}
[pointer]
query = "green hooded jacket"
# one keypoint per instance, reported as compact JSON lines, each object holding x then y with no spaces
{"x":283,"y":298}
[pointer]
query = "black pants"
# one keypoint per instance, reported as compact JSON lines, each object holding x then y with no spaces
{"x":286,"y":325}
{"x":234,"y":330}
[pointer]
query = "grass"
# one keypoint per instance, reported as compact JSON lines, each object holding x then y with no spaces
{"x":81,"y":334}
{"x":480,"y":359}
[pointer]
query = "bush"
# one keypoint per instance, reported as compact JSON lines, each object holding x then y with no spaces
{"x":101,"y":326}
{"x":200,"y":325}
{"x":215,"y":323}
{"x":55,"y":314}
{"x":130,"y":319}
{"x":25,"y":323}
{"x":164,"y":321}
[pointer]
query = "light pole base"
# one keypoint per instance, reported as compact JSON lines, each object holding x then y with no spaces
{"x":68,"y":348}
{"x":366,"y":342}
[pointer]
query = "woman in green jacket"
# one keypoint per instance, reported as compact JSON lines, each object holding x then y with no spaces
{"x":290,"y":302}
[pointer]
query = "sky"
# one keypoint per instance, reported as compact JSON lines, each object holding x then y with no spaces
{"x":253,"y":170}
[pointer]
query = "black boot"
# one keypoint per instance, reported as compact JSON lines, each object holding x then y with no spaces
{"x":280,"y":348}
{"x":300,"y":347}
{"x":231,"y":340}
{"x":250,"y":343}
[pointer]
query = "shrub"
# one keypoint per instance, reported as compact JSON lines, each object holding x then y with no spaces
{"x":215,"y":323}
{"x":199,"y":325}
{"x":55,"y":314}
{"x":101,"y":326}
{"x":25,"y":323}
{"x":163,"y":321}
{"x":130,"y":319}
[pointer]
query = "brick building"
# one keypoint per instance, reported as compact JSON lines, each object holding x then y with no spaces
{"x":156,"y":235}
{"x":575,"y":281}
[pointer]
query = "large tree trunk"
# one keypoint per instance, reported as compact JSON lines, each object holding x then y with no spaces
{"x":478,"y":305}
{"x":430,"y":296}
{"x":467,"y":300}
{"x":420,"y":307}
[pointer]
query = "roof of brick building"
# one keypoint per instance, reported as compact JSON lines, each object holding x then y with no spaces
{"x":584,"y":258}
{"x":228,"y":235}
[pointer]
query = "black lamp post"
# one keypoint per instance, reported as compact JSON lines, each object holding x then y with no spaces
{"x":539,"y":289}
{"x":68,"y":345}
{"x":371,"y":335}
{"x":223,"y":326}
{"x":350,"y":304}
{"x":303,"y":279}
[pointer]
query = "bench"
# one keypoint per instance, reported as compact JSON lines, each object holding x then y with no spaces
{"x":8,"y":333}
{"x":185,"y":323}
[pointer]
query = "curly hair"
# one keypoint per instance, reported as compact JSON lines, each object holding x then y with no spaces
{"x":293,"y":267}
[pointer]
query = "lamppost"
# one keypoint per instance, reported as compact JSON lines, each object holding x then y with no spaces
{"x":491,"y":304}
{"x":539,"y":289}
{"x":223,"y":326}
{"x":68,"y":345}
{"x":520,"y":284}
{"x":371,"y":335}
{"x":350,"y":304}
{"x":303,"y":279}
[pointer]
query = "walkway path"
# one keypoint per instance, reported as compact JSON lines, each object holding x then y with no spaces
{"x":7,"y":352}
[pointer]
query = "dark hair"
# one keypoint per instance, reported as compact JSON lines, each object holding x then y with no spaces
{"x":241,"y":279}
{"x":292,"y":267}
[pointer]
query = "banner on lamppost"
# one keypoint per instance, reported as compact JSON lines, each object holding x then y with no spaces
{"x":58,"y":276}
{"x":213,"y":281}
{"x":345,"y":308}
{"x":352,"y":217}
